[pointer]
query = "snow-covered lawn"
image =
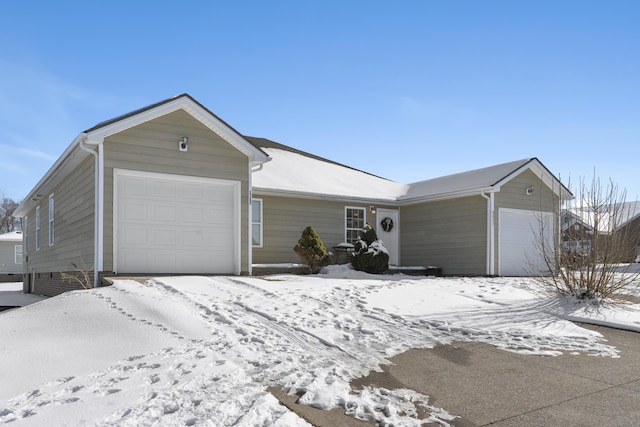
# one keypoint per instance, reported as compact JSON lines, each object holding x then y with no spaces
{"x":203,"y":350}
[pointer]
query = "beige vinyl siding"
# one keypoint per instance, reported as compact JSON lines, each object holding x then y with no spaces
{"x":286,"y":217}
{"x":153,"y":147}
{"x":74,"y":216}
{"x":513,"y":195}
{"x":449,"y":234}
{"x":8,"y":258}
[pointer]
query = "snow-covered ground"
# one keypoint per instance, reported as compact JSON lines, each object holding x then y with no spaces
{"x":203,"y":350}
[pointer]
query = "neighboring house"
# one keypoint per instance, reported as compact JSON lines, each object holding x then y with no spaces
{"x":171,"y":188}
{"x":623,"y":218}
{"x":577,"y":235}
{"x":11,"y":257}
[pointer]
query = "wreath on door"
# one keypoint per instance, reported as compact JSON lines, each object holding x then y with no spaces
{"x":387,"y":224}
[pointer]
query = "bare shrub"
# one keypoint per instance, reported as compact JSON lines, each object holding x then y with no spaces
{"x":593,"y":246}
{"x":80,"y":275}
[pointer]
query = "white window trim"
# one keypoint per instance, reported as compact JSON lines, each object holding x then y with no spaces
{"x":52,"y":236}
{"x":37,"y":228}
{"x":364,"y":217}
{"x":25,"y":234}
{"x":261,"y":223}
{"x":18,"y":260}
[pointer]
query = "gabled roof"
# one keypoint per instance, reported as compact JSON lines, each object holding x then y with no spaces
{"x":485,"y":179}
{"x":75,"y":153}
{"x":295,"y":172}
{"x":609,"y":216}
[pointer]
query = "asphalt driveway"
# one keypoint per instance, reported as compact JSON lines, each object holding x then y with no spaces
{"x":486,"y":386}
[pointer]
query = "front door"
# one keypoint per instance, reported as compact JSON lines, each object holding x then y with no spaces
{"x":387,"y":230}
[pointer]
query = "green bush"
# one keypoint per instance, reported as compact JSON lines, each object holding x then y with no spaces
{"x":311,"y":250}
{"x":369,"y":253}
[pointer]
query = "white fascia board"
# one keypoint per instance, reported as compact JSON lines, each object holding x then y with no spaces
{"x":448,"y":196}
{"x":319,"y":196}
{"x":71,"y":157}
{"x":255,"y":155}
{"x":541,"y":172}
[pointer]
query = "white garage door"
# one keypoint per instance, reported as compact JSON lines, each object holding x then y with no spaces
{"x":520,"y":239}
{"x":175,"y":224}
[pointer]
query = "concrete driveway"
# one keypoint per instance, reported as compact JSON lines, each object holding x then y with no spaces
{"x":486,"y":386}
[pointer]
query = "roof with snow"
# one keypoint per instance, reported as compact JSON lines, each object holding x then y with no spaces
{"x":608,"y":217}
{"x":14,"y":236}
{"x":292,"y":171}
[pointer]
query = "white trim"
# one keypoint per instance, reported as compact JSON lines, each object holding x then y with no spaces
{"x":97,"y":208}
{"x":25,"y":235}
{"x":100,"y":211}
{"x":529,"y":212}
{"x":249,"y":221}
{"x":52,"y":218}
{"x":491,"y":245}
{"x":15,"y":254}
{"x":194,"y":109}
{"x":363,"y":208}
{"x":236,"y":186}
{"x":381,"y":213}
{"x":261,"y":201}
{"x":37,"y":228}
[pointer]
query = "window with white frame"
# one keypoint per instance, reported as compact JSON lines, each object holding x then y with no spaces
{"x":256,"y":223}
{"x":25,"y":230}
{"x":18,"y":254}
{"x":355,"y":221}
{"x":37,"y":228}
{"x":51,"y":221}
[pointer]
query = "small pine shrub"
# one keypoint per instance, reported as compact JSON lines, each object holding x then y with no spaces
{"x":369,"y":253}
{"x":311,"y":250}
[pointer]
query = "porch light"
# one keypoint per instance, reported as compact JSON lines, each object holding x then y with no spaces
{"x":372,"y":209}
{"x":183,"y":144}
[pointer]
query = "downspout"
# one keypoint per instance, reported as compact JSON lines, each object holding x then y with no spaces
{"x":96,"y":231}
{"x":250,"y":222}
{"x":490,"y":269}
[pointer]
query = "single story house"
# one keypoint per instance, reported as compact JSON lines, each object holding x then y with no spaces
{"x":11,"y":257}
{"x":171,"y":188}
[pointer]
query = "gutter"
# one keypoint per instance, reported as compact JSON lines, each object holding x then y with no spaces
{"x":98,"y":235}
{"x":490,"y":269}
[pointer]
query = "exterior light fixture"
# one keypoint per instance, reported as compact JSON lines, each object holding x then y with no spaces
{"x":372,"y":209}
{"x":183,"y":144}
{"x":529,"y":190}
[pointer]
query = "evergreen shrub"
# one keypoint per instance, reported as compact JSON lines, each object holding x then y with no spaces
{"x":311,"y":250}
{"x":369,"y":253}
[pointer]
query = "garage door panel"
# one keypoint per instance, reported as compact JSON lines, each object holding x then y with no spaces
{"x":164,"y":212}
{"x":173,"y":224}
{"x":520,"y":239}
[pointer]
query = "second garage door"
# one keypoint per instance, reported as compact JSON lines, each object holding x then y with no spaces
{"x":175,"y":224}
{"x":520,"y":237}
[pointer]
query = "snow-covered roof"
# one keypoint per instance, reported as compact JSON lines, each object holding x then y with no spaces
{"x":292,"y":171}
{"x":617,"y":215}
{"x":464,"y":182}
{"x":14,"y":236}
{"x":295,"y":172}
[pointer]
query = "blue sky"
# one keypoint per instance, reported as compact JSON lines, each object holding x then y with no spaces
{"x":408,"y":90}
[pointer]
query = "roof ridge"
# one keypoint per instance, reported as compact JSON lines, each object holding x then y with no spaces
{"x":260,"y":142}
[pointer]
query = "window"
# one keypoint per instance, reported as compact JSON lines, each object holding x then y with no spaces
{"x":37,"y":228}
{"x":25,"y":230}
{"x":18,"y":254}
{"x":51,"y":222}
{"x":354,"y":223}
{"x":256,"y":222}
